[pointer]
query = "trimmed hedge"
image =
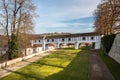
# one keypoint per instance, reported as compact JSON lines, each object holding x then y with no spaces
{"x":107,"y":42}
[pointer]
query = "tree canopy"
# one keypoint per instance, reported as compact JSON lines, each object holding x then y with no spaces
{"x":107,"y":16}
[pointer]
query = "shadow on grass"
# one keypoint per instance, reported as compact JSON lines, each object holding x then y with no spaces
{"x":40,"y":64}
{"x":77,"y":69}
{"x":24,"y":76}
{"x":72,"y":48}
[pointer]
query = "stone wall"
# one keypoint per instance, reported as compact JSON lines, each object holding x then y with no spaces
{"x":115,"y":49}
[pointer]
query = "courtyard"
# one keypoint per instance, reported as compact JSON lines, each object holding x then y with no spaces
{"x":67,"y":64}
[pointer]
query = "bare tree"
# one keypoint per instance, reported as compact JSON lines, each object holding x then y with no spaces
{"x":14,"y":15}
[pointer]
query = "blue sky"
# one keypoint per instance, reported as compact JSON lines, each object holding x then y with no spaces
{"x":74,"y":16}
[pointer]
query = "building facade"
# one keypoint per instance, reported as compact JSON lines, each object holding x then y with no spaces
{"x":58,"y":41}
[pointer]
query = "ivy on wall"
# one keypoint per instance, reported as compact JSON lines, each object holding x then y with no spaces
{"x":13,"y":47}
{"x":107,"y":42}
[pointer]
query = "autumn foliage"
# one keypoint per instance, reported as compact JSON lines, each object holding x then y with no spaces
{"x":107,"y":17}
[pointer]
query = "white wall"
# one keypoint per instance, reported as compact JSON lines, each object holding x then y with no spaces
{"x":37,"y":49}
{"x":28,"y":51}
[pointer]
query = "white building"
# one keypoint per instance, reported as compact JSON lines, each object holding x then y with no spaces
{"x":76,"y":39}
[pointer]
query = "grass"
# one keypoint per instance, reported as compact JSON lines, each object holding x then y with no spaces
{"x":64,"y":64}
{"x":113,"y":66}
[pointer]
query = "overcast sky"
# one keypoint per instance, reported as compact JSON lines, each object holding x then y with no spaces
{"x":74,"y":16}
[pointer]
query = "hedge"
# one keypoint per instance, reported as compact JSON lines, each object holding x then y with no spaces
{"x":107,"y":42}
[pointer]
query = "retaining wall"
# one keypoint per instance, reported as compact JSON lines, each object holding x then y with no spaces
{"x":115,"y":49}
{"x":13,"y":61}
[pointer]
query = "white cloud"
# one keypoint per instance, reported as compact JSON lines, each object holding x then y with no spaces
{"x":56,"y":25}
{"x":62,"y":25}
{"x":54,"y":11}
{"x":73,"y":9}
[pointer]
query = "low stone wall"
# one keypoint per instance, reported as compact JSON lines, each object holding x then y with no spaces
{"x":115,"y":49}
{"x":10,"y":62}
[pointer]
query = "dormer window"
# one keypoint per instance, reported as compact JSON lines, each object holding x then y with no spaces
{"x":39,"y":40}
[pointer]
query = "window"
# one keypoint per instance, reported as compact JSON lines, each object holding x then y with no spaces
{"x":47,"y":40}
{"x":35,"y":40}
{"x":83,"y":38}
{"x":92,"y":38}
{"x":69,"y":39}
{"x":52,"y":40}
{"x":63,"y":39}
{"x":39,"y":40}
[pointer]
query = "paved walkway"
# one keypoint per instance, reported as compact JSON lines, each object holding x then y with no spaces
{"x":97,"y":69}
{"x":14,"y":67}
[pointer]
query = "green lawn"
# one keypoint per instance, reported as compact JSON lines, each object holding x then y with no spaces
{"x":113,"y":66}
{"x":63,"y":64}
